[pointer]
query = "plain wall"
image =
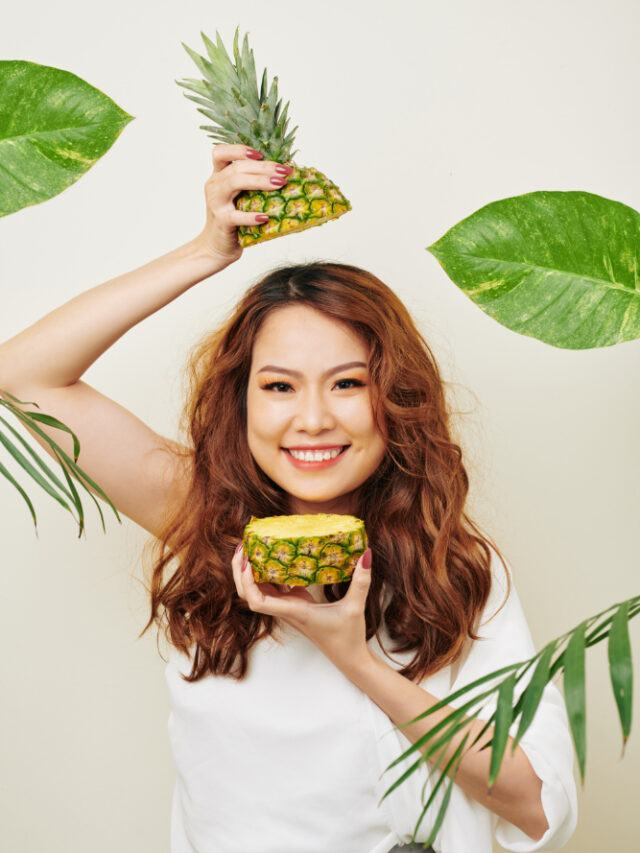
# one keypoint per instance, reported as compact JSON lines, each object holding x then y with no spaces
{"x":422,"y":113}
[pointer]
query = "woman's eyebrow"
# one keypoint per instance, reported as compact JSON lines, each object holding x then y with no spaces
{"x":272,"y":368}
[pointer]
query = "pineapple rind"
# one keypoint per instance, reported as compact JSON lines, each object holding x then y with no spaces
{"x":308,"y":199}
{"x":300,"y":559}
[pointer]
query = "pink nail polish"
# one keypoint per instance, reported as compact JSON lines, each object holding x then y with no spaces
{"x":262,"y":217}
{"x":253,"y":154}
{"x":279,"y":182}
{"x":284,"y":170}
{"x":366,"y":559}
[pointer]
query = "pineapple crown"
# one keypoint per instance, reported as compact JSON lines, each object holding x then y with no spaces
{"x":229,"y":96}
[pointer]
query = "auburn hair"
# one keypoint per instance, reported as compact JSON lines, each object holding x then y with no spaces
{"x":432,"y":563}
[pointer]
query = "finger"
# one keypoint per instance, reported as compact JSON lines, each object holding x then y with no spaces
{"x":236,"y":565}
{"x":260,"y":167}
{"x":234,"y":182}
{"x":224,"y":153}
{"x":235,"y":218}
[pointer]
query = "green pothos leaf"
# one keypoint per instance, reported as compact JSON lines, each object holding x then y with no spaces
{"x":53,"y":127}
{"x":561,"y":267}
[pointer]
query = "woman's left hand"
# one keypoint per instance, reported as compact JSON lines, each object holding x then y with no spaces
{"x":337,"y":629}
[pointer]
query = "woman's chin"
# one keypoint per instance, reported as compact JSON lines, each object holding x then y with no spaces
{"x":310,"y":503}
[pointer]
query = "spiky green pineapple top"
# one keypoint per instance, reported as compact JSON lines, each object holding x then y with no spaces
{"x":228,"y":95}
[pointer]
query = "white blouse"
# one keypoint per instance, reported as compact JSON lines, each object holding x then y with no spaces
{"x":292,"y":759}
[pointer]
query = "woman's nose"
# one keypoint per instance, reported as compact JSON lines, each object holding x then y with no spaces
{"x":313,"y":413}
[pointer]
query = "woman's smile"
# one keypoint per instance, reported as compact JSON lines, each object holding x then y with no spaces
{"x":316,"y":458}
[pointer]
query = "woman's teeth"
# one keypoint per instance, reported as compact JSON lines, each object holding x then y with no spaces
{"x":317,"y":455}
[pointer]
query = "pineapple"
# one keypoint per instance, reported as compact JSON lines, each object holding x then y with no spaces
{"x":229,"y":96}
{"x":299,"y":550}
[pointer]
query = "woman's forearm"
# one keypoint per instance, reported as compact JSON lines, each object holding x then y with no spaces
{"x":516,"y":792}
{"x":57,"y":349}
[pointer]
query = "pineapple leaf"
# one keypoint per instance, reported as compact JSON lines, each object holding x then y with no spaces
{"x":211,"y":48}
{"x":205,"y":67}
{"x":247,"y":62}
{"x":242,"y":112}
{"x":263,"y":86}
{"x":194,"y":86}
{"x":221,"y":54}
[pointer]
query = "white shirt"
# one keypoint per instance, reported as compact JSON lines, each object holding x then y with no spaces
{"x":292,"y":759}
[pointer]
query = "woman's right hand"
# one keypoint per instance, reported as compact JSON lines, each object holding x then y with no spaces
{"x":235,"y":168}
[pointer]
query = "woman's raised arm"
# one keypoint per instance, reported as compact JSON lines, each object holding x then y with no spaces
{"x":132,"y":463}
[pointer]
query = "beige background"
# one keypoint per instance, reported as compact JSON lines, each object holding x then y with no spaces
{"x":422,"y":113}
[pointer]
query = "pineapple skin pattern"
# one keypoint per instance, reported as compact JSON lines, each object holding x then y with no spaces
{"x":308,"y":199}
{"x":299,"y":559}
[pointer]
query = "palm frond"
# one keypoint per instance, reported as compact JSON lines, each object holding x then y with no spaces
{"x":68,"y":466}
{"x":613,"y":622}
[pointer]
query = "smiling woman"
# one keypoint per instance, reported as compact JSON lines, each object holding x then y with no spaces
{"x":317,"y":395}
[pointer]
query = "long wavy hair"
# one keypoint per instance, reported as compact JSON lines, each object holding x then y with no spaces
{"x":432,"y":564}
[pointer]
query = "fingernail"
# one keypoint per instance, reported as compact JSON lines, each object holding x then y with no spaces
{"x":284,"y":170}
{"x":239,"y":548}
{"x":262,"y":217}
{"x":255,"y":155}
{"x":279,"y":182}
{"x":245,"y":563}
{"x":366,"y":559}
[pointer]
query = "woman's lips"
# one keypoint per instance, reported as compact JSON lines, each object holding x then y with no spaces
{"x":314,"y":465}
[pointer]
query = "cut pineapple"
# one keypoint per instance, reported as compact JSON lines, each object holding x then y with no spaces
{"x":229,"y":96}
{"x":299,"y":550}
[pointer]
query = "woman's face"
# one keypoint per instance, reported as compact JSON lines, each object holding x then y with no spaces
{"x":310,"y":392}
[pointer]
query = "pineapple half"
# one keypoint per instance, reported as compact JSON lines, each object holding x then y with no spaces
{"x":299,"y":550}
{"x":229,"y":96}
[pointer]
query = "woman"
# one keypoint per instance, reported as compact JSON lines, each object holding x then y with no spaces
{"x":285,"y":701}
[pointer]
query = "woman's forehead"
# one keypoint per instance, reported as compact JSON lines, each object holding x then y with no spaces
{"x":299,"y":332}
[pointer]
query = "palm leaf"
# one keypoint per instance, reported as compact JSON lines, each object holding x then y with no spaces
{"x":574,"y":693}
{"x":504,"y":716}
{"x":14,"y":482}
{"x":621,"y":669}
{"x":67,"y":464}
{"x":570,"y":661}
{"x":454,"y":762}
{"x":533,"y":693}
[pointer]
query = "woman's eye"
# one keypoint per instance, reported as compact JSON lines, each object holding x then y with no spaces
{"x":350,"y":383}
{"x":276,"y":386}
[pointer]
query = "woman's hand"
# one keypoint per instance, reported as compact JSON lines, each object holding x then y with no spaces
{"x":338,"y":629}
{"x":235,"y":168}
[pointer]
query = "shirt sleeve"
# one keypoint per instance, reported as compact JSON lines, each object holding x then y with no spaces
{"x":547,"y":742}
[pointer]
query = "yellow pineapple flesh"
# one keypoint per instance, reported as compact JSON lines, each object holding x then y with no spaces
{"x":299,"y":550}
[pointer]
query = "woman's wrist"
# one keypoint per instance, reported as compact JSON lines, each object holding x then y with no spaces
{"x":201,"y":251}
